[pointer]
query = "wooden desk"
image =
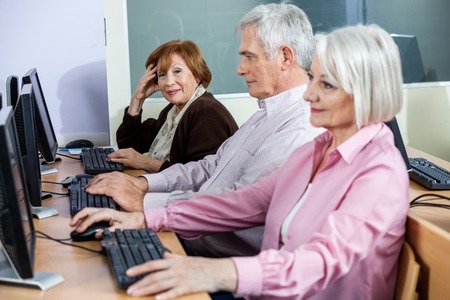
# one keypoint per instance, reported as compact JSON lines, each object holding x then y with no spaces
{"x":428,"y":232}
{"x":86,"y":275}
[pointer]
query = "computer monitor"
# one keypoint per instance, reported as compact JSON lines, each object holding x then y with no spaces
{"x":17,"y":234}
{"x":24,"y":115}
{"x":412,"y":66}
{"x":16,"y":225}
{"x":47,"y":143}
{"x":12,"y":90}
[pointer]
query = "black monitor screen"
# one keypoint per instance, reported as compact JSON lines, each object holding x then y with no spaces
{"x":12,"y":90}
{"x":412,"y":66}
{"x":24,"y":115}
{"x":47,"y":142}
{"x":16,"y":226}
{"x":393,"y":125}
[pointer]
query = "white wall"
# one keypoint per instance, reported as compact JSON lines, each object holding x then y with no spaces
{"x":118,"y":65}
{"x":65,"y":41}
{"x":425,"y":118}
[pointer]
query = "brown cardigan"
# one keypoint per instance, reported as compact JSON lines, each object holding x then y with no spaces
{"x":205,"y":125}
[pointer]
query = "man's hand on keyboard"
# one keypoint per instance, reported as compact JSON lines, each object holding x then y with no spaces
{"x":117,"y":219}
{"x":128,"y":191}
{"x":177,"y":275}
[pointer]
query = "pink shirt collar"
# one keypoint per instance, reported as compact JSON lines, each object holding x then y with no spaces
{"x":351,"y":147}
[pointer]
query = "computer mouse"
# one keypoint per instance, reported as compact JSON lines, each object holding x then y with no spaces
{"x":89,"y":233}
{"x":79,"y":176}
{"x":81,"y":143}
{"x":66,"y":182}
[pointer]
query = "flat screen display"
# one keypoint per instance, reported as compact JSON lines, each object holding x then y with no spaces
{"x":47,"y":143}
{"x":16,"y":225}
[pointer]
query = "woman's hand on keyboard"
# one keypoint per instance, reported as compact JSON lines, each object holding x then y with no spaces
{"x":176,"y":275}
{"x":128,"y":191}
{"x":131,"y":158}
{"x":117,"y":219}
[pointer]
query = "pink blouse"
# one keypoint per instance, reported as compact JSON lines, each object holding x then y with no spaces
{"x":343,"y":242}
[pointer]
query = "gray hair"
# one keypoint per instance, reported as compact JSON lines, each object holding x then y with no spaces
{"x":365,"y":62}
{"x":281,"y":24}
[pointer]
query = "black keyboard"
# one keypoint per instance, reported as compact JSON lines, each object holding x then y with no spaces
{"x":428,"y":174}
{"x":94,"y":161}
{"x":79,"y":199}
{"x":128,"y":248}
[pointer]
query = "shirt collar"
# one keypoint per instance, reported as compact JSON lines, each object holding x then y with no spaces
{"x":279,"y":102}
{"x":354,"y":145}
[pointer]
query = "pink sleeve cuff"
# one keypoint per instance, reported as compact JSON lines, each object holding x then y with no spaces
{"x":250,"y":276}
{"x":156,"y":218}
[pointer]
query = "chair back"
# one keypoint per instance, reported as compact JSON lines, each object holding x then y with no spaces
{"x":407,"y":275}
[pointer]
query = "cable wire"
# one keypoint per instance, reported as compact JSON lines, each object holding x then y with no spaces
{"x":426,"y":200}
{"x":56,"y":193}
{"x":69,"y":156}
{"x":51,"y":182}
{"x":40,"y":234}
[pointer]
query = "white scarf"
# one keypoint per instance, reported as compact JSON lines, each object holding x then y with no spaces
{"x":160,"y":148}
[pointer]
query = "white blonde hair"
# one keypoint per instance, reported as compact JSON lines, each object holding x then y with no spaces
{"x":364,"y":61}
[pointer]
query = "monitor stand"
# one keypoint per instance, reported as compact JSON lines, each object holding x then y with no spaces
{"x":43,"y":212}
{"x":47,"y":169}
{"x":42,"y":161}
{"x":41,"y":280}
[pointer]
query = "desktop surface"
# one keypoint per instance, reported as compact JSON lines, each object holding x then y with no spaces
{"x":86,"y":274}
{"x":428,"y":232}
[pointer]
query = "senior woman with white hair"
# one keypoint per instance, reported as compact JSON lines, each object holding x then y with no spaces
{"x":334,"y":214}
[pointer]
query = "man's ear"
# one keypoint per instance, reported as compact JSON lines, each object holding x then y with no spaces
{"x":288,"y":56}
